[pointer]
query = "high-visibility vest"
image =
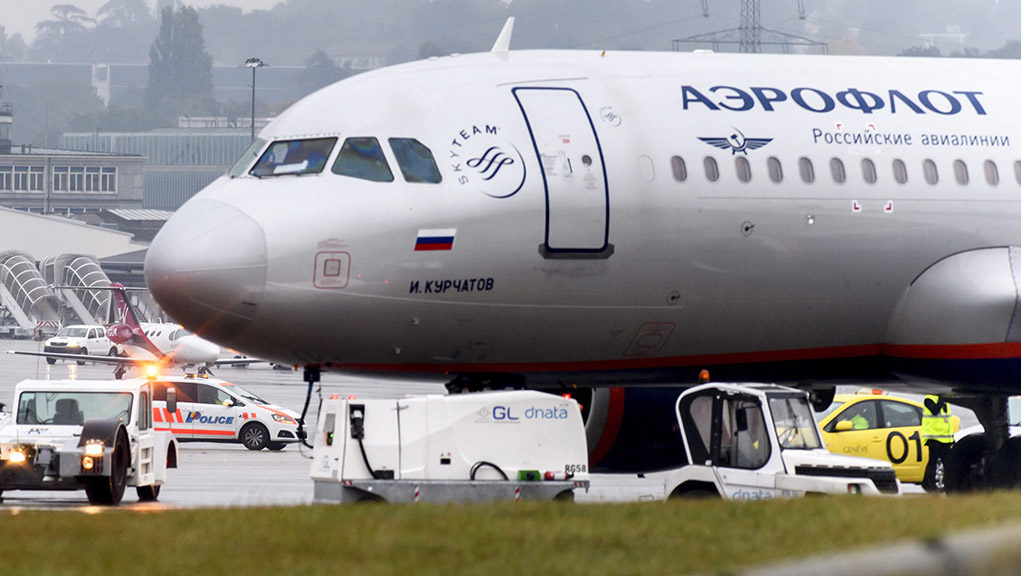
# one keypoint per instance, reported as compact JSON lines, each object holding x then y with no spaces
{"x":937,"y":426}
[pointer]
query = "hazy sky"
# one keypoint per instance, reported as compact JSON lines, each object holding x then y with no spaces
{"x":20,"y":16}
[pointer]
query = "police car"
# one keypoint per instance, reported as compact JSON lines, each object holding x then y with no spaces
{"x":212,"y":410}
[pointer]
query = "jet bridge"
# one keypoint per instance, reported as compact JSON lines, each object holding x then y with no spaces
{"x":76,"y":275}
{"x":24,"y":292}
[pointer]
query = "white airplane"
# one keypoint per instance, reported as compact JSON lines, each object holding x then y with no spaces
{"x":585,"y":219}
{"x":150,"y":343}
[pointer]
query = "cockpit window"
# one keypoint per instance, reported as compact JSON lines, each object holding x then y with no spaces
{"x":416,"y":160}
{"x":246,"y":159}
{"x":294,"y":157}
{"x":363,"y":158}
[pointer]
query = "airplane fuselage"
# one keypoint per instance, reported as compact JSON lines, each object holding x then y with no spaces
{"x":623,"y":217}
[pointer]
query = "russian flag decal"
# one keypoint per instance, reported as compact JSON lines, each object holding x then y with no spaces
{"x":435,"y":239}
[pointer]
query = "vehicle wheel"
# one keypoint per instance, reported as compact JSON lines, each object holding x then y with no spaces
{"x":109,"y":490}
{"x":112,"y":352}
{"x":84,"y":352}
{"x":276,"y":446}
{"x":1006,"y":466}
{"x":254,"y":436}
{"x":51,"y":360}
{"x":935,"y":476}
{"x":959,"y":463}
{"x":148,"y":493}
{"x":696,"y":491}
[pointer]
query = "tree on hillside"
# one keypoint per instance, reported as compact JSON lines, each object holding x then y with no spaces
{"x":12,"y":48}
{"x":921,"y":51}
{"x":68,"y":20}
{"x":321,"y":70}
{"x":180,"y":69}
{"x":122,"y":13}
{"x":65,"y":36}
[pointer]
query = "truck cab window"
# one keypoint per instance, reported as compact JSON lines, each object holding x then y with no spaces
{"x":363,"y":158}
{"x":743,"y":440}
{"x":415,"y":161}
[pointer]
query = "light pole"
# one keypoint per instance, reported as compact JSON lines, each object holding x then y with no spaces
{"x":254,"y":63}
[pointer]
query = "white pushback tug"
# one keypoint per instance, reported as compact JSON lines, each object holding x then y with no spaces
{"x":96,"y":436}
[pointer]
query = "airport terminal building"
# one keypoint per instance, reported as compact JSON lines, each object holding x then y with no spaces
{"x":64,"y":182}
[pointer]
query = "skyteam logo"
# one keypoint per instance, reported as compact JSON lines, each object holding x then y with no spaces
{"x":737,"y":142}
{"x":482,"y":160}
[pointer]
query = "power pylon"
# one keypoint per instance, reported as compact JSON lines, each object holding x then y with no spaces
{"x":750,"y":36}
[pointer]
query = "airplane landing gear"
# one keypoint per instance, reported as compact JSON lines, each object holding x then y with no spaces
{"x":989,"y":460}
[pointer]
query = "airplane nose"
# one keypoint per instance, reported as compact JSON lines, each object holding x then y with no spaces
{"x":207,"y":269}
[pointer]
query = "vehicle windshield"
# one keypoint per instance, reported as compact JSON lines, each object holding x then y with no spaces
{"x":73,"y":332}
{"x":250,"y":396}
{"x":294,"y":157}
{"x":792,"y":418}
{"x":72,"y":408}
{"x":247,"y":158}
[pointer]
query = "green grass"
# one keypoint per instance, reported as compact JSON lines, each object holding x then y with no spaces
{"x":676,"y":537}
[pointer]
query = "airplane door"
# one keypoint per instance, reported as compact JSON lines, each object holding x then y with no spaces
{"x":577,"y":196}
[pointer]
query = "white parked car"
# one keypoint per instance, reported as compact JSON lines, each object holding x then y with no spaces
{"x":212,"y":410}
{"x":81,"y":339}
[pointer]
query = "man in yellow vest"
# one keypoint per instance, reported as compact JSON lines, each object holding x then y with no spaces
{"x":938,"y":436}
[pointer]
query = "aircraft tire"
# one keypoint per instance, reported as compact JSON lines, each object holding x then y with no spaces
{"x":148,"y":493}
{"x":254,"y":436}
{"x":1006,"y":466}
{"x":963,"y":457}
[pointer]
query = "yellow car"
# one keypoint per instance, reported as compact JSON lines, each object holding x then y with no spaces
{"x":882,"y":427}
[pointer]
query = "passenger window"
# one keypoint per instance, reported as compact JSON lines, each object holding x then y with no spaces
{"x":744,"y":169}
{"x":807,"y":170}
{"x":775,"y":169}
{"x":897,"y":415}
{"x":900,"y":171}
{"x":837,"y":169}
{"x":212,"y":395}
{"x":159,"y":391}
{"x":931,"y":174}
{"x":186,"y":391}
{"x":712,"y":170}
{"x":960,"y":172}
{"x":992,"y":173}
{"x":861,"y":415}
{"x":363,"y":158}
{"x":679,"y":168}
{"x":415,"y":161}
{"x":294,"y":157}
{"x":868,"y":171}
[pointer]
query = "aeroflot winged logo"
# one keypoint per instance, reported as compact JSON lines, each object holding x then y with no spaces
{"x":737,"y":142}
